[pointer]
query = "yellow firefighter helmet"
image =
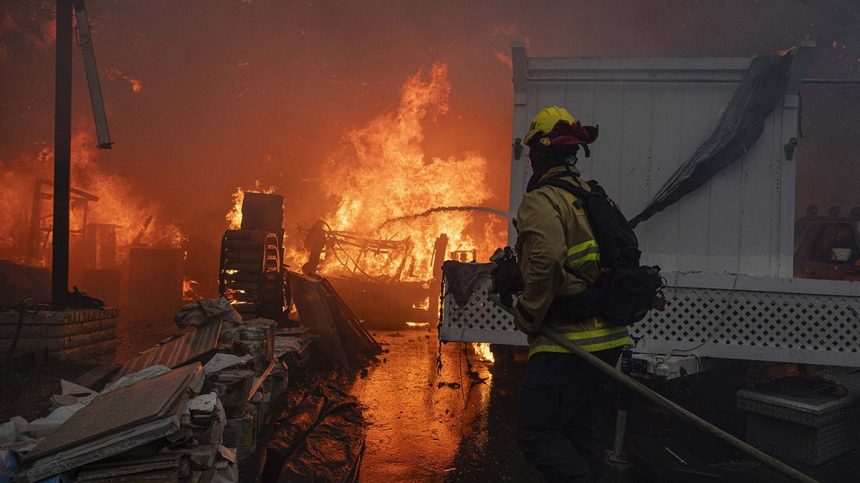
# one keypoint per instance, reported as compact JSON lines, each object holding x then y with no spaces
{"x":546,"y":119}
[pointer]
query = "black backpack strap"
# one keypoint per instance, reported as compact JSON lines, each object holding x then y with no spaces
{"x":596,"y":188}
{"x":558,"y":182}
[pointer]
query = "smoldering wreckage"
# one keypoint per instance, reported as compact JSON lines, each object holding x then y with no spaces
{"x":199,"y":405}
{"x":255,"y":387}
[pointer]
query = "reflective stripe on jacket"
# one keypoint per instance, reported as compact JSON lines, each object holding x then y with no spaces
{"x":596,"y":339}
{"x":577,"y":255}
{"x":558,"y":255}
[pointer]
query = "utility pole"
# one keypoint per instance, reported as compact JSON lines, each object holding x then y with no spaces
{"x":62,"y":155}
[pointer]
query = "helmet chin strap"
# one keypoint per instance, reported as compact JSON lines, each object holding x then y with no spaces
{"x":568,"y":163}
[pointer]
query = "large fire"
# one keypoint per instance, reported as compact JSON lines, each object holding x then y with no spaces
{"x":135,"y":221}
{"x":385,"y":174}
{"x":234,"y":216}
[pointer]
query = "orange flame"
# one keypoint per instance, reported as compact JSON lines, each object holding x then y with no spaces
{"x":114,"y":73}
{"x":136,"y":85}
{"x":189,"y":292}
{"x":386,"y":174}
{"x":116,"y":206}
{"x":234,"y":216}
{"x":136,"y":220}
{"x":482,"y":350}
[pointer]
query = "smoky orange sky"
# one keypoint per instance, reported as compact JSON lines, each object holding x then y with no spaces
{"x":204,"y":96}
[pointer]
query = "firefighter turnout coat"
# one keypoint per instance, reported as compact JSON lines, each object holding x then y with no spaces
{"x":558,"y":255}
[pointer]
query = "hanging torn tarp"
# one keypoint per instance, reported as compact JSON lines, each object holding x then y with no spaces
{"x":739,"y":127}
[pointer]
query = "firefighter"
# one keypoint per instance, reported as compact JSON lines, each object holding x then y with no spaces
{"x":560,"y":425}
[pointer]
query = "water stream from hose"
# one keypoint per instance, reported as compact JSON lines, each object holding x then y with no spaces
{"x":444,"y":209}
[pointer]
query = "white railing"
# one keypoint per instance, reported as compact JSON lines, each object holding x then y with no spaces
{"x":708,"y":315}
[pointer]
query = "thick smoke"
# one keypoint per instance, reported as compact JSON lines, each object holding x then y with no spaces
{"x":233,"y":91}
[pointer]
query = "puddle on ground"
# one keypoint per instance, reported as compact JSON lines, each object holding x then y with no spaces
{"x":417,"y":427}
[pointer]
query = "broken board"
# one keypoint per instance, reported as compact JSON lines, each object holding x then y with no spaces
{"x":127,"y":407}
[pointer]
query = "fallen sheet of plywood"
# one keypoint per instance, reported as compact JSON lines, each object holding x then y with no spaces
{"x":315,"y":313}
{"x":102,"y":448}
{"x":160,"y":467}
{"x":116,"y":421}
{"x":325,"y":313}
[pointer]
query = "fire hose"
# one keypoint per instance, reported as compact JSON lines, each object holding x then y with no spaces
{"x":686,"y":415}
{"x":26,"y":306}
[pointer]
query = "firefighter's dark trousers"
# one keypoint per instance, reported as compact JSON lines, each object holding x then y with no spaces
{"x":563,"y":404}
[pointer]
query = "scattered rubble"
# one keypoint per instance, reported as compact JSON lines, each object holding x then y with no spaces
{"x":152,"y":410}
{"x":197,"y":407}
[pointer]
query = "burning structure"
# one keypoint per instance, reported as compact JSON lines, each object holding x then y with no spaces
{"x":376,"y":248}
{"x":385,"y":174}
{"x":398,"y":213}
{"x":108,"y":221}
{"x":398,"y":187}
{"x":252,"y":273}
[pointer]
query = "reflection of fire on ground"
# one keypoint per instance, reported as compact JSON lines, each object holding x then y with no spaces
{"x":420,"y":417}
{"x":482,"y":349}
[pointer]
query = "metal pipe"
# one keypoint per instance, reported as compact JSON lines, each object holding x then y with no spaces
{"x":89,"y":56}
{"x":653,"y":396}
{"x":62,"y":154}
{"x":620,"y":434}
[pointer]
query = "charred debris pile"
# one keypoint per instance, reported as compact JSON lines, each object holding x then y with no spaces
{"x":230,"y":396}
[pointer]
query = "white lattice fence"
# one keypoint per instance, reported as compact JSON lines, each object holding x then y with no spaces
{"x":742,"y":324}
{"x":479,"y":320}
{"x":715,"y":322}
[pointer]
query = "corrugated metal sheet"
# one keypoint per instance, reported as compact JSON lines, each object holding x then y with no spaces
{"x":182,"y":350}
{"x":652,"y":113}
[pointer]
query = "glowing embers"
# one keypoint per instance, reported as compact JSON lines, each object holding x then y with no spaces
{"x":423,"y":305}
{"x":189,"y":290}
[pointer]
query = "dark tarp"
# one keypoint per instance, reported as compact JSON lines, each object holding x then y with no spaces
{"x":321,"y":439}
{"x":739,"y":127}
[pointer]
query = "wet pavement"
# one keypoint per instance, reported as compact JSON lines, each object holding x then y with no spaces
{"x":447,"y":425}
{"x":455,"y":423}
{"x":438,"y":425}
